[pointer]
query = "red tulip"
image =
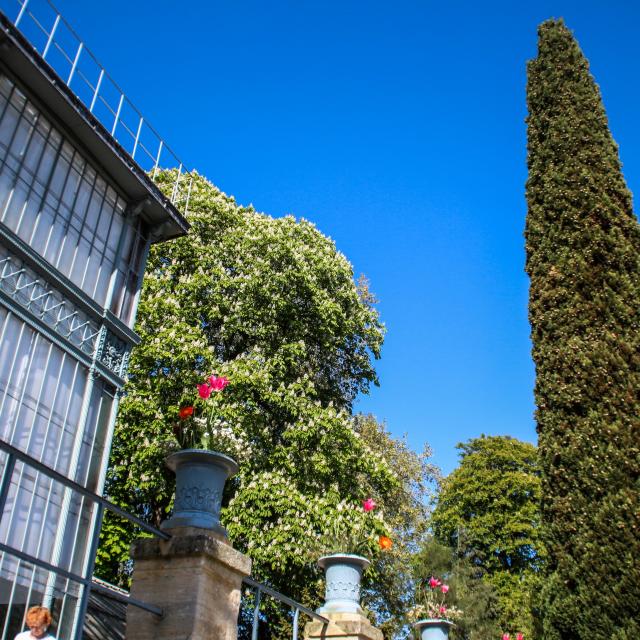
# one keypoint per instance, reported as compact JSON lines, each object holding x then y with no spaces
{"x":369,"y":505}
{"x":520,"y":636}
{"x":185,"y":412}
{"x":434,"y":582}
{"x":443,"y":609}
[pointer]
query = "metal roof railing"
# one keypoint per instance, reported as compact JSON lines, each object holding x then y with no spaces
{"x":61,"y":47}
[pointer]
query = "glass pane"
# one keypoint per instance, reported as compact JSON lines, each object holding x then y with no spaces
{"x":54,"y":200}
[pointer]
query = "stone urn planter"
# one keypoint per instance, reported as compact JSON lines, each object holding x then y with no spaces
{"x":343,"y":573}
{"x":200,"y":480}
{"x":433,"y":629}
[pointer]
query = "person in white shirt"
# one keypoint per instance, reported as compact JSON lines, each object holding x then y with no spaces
{"x":38,"y":620}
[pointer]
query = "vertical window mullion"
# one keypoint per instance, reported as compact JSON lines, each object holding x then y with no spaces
{"x":14,"y":133}
{"x":20,"y":480}
{"x":69,"y":220}
{"x":64,"y":603}
{"x":59,"y":203}
{"x":33,"y":341}
{"x":57,"y":149}
{"x":37,"y":401}
{"x":48,"y":502}
{"x":92,"y":241}
{"x":72,"y":214}
{"x":19,"y":563}
{"x":7,"y":104}
{"x":103,"y":255}
{"x":20,"y":168}
{"x":35,"y":181}
{"x":5,"y":325}
{"x":138,"y":273}
{"x":116,"y":262}
{"x":7,"y":155}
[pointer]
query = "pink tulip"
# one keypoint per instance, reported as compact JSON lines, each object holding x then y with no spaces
{"x":434,"y":582}
{"x":444,"y":588}
{"x":218,"y":384}
{"x":369,"y":505}
{"x":204,"y":390}
{"x":443,"y":609}
{"x":505,"y":636}
{"x":520,"y":636}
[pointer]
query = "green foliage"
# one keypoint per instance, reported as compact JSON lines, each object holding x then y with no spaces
{"x":583,"y":259}
{"x":113,"y":552}
{"x":488,"y":513}
{"x":406,"y":507}
{"x":273,"y":306}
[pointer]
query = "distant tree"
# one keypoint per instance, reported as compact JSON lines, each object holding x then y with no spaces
{"x":488,"y":513}
{"x":475,"y":597}
{"x":583,"y":259}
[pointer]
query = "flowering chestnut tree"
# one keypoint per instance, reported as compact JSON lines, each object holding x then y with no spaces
{"x":272,"y":306}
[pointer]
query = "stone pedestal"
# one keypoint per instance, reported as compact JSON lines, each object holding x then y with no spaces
{"x":196,"y":578}
{"x":346,"y":626}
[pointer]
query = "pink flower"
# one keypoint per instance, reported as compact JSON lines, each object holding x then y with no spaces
{"x":204,"y":390}
{"x":443,"y":609}
{"x":218,"y":384}
{"x":505,"y":636}
{"x":444,"y":588}
{"x":369,"y":505}
{"x":520,"y":636}
{"x":434,"y":582}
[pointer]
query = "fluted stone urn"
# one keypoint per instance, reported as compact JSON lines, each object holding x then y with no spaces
{"x":200,"y":479}
{"x":343,"y":573}
{"x":433,"y":629}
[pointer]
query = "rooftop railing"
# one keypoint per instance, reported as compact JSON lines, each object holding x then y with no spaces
{"x":61,"y":47}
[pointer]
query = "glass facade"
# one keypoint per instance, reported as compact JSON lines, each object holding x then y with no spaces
{"x":71,"y":260}
{"x":53,"y":199}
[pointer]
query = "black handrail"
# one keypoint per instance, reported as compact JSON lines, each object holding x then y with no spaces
{"x":13,"y":455}
{"x":296,"y":607}
{"x":17,"y":454}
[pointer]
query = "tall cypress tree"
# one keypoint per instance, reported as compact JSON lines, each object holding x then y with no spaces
{"x":583,"y":260}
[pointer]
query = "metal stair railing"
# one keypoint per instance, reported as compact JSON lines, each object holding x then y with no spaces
{"x":16,"y":455}
{"x":296,"y":607}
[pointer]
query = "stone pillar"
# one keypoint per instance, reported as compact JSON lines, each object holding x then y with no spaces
{"x":195,"y":577}
{"x":345,"y":626}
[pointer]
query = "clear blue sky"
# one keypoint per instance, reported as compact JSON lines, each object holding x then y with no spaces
{"x":398,"y":128}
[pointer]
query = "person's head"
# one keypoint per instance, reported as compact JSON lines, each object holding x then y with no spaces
{"x":38,"y":620}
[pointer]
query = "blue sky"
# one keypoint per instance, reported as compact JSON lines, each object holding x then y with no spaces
{"x":398,"y":128}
